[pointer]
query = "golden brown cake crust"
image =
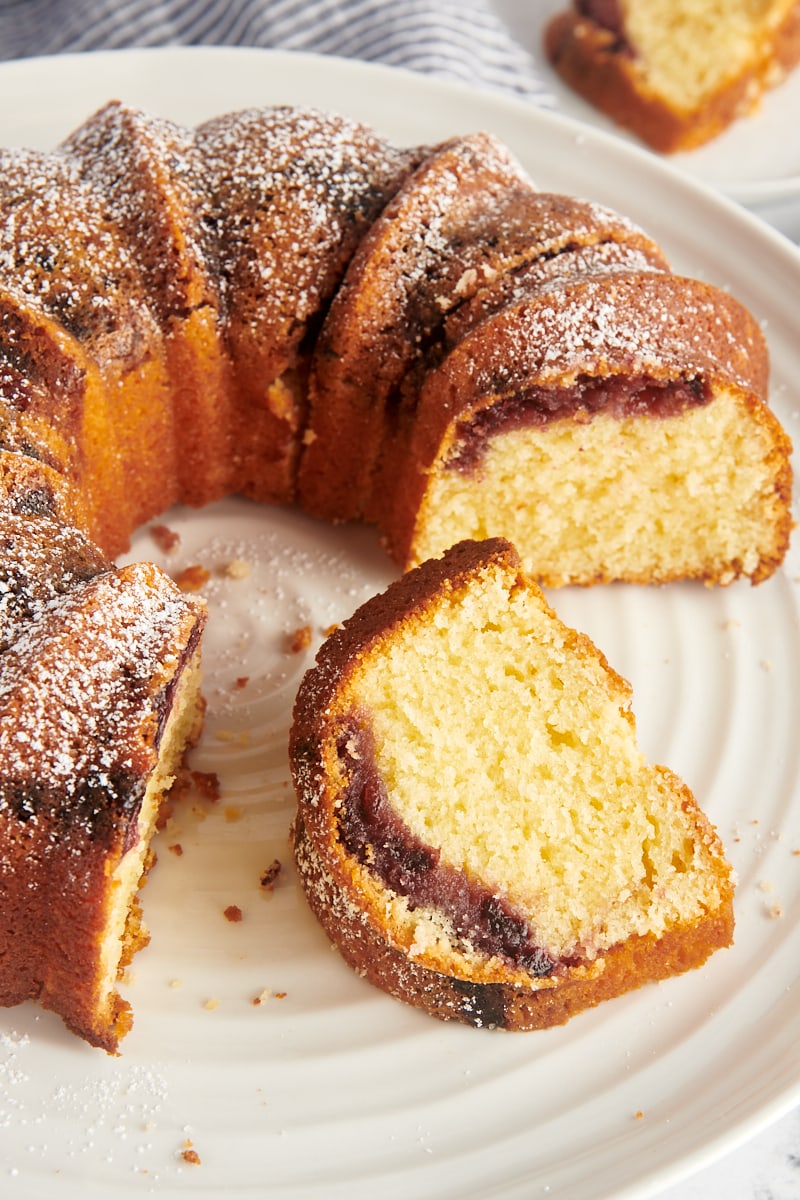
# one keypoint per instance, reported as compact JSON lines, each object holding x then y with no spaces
{"x":465,"y":220}
{"x":292,"y":192}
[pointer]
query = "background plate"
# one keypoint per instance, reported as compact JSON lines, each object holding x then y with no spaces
{"x":328,"y":1088}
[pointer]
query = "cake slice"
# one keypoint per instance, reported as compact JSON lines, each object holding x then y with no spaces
{"x":477,"y":830}
{"x":675,"y":72}
{"x":99,"y":698}
{"x":612,"y":425}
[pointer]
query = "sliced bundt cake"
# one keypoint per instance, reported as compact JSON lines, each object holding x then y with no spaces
{"x":477,"y":830}
{"x":281,"y":304}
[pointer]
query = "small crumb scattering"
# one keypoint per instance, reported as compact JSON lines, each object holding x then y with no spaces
{"x":176,"y":848}
{"x":193,"y":578}
{"x":240,"y":738}
{"x":165,"y":538}
{"x":189,"y":1154}
{"x":241,"y":682}
{"x":233,"y":813}
{"x":237,"y":568}
{"x":270,"y":877}
{"x":206,"y":783}
{"x":267,"y":994}
{"x":300,"y":639}
{"x":211,"y":1004}
{"x":233,"y":913}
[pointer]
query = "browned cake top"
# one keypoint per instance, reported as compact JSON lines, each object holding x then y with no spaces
{"x":147,"y":177}
{"x":289,"y":193}
{"x":40,"y":559}
{"x":60,"y":256}
{"x":641,"y":324}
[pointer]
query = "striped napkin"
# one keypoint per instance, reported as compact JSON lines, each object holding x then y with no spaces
{"x":461,"y":40}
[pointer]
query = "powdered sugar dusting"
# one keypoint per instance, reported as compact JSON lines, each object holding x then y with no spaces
{"x":289,"y":193}
{"x":66,"y":259}
{"x":150,"y":176}
{"x":117,"y":1106}
{"x":80,"y":686}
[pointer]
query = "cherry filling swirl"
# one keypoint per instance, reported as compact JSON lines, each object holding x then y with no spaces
{"x":619,"y":396}
{"x":374,"y":833}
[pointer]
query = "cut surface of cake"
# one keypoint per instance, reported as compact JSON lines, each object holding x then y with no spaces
{"x":477,"y":830}
{"x":99,"y":699}
{"x":675,"y":73}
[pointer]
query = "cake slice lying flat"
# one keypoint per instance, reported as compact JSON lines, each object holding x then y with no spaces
{"x":477,"y":830}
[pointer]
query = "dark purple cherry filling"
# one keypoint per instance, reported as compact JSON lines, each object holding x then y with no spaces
{"x":619,"y":396}
{"x":608,"y":15}
{"x":373,"y":833}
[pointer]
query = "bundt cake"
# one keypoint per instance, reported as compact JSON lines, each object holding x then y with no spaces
{"x":477,"y":831}
{"x":282,"y":305}
{"x":99,"y":697}
{"x":674,"y":72}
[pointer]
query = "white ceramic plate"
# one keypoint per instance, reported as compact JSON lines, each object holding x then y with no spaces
{"x":328,"y":1088}
{"x":756,"y":161}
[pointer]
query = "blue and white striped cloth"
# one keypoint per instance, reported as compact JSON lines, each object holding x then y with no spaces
{"x":462,"y":40}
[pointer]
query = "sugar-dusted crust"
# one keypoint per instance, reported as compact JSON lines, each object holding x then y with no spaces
{"x":463,"y":223}
{"x":420,"y":950}
{"x":596,"y":63}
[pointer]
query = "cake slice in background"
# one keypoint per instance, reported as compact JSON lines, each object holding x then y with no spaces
{"x":477,"y":830}
{"x":675,"y":72}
